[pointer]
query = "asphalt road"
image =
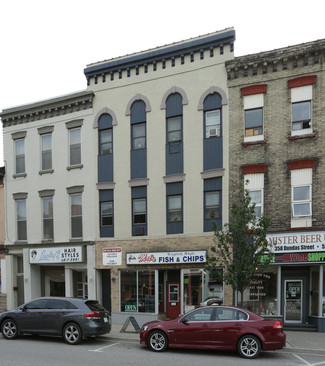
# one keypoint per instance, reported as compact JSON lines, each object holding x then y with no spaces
{"x":44,"y":351}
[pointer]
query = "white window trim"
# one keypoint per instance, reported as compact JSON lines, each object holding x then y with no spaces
{"x":254,"y":101}
{"x":302,"y":94}
{"x":256,"y":183}
{"x":309,"y":201}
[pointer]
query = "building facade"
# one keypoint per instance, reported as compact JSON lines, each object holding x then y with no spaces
{"x":3,"y":289}
{"x":277,"y":131}
{"x":161,"y":118}
{"x":50,"y":199}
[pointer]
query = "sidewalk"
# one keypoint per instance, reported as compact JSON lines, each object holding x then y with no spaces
{"x":296,"y":341}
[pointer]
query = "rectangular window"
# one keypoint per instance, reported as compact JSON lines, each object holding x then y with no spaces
{"x":175,"y":208}
{"x":21,"y":220}
{"x":47,"y":203}
{"x":20,"y":156}
{"x":76,"y":215}
{"x":212,"y":123}
{"x":106,"y":142}
{"x":75,"y":146}
{"x":46,"y":142}
{"x":212,"y":205}
{"x":254,"y":117}
{"x":174,"y":129}
{"x":301,"y":115}
{"x":257,"y":198}
{"x":301,"y":110}
{"x":253,"y":122}
{"x":139,"y":211}
{"x":139,"y":136}
{"x":137,"y":291}
{"x":301,"y":201}
{"x":106,"y":213}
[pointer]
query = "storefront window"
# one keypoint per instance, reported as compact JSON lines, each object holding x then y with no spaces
{"x":138,"y":291}
{"x":261,"y":296}
{"x":192,"y":288}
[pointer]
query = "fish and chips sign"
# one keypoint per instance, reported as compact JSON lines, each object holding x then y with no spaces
{"x":186,"y":257}
{"x":55,"y":255}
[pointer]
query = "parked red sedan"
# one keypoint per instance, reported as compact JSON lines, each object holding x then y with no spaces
{"x":216,"y":327}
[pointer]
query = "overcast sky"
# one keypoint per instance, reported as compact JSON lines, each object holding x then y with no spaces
{"x":45,"y":45}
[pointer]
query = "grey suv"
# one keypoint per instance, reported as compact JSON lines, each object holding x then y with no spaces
{"x":73,"y":319}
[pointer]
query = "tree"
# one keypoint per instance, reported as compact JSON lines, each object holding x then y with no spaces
{"x":240,"y":245}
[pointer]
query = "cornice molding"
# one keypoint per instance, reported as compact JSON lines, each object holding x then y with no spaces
{"x":288,"y":58}
{"x":47,"y":109}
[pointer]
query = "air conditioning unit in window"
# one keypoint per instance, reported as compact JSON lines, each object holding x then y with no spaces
{"x":139,"y":231}
{"x":213,"y":132}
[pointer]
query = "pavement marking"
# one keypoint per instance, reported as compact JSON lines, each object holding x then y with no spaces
{"x":307,"y":363}
{"x":100,"y":349}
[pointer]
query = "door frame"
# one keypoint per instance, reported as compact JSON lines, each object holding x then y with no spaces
{"x":301,"y":281}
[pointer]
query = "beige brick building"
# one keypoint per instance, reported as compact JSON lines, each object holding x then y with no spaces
{"x":3,"y":297}
{"x":276,"y":139}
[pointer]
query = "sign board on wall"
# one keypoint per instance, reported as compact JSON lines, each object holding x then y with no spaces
{"x":186,"y":257}
{"x":55,"y":255}
{"x":112,"y":256}
{"x":297,"y":247}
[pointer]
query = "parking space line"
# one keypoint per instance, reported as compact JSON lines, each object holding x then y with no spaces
{"x":309,"y":364}
{"x":100,"y":349}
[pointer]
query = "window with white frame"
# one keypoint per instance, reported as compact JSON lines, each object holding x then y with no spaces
{"x":20,"y":156}
{"x":301,"y":110}
{"x":21,"y":219}
{"x":254,"y":106}
{"x":76,"y":215}
{"x":47,"y":208}
{"x":301,"y":201}
{"x":46,"y":145}
{"x":256,"y":196}
{"x":139,"y":211}
{"x":212,"y":123}
{"x":301,"y":197}
{"x":139,"y":136}
{"x":106,"y":141}
{"x":174,"y":208}
{"x":254,"y":183}
{"x":75,"y":146}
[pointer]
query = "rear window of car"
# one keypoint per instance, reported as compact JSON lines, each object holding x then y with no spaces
{"x":230,"y":314}
{"x":95,"y":306}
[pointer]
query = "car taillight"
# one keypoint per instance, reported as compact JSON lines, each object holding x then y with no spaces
{"x":277,"y":325}
{"x":92,"y":315}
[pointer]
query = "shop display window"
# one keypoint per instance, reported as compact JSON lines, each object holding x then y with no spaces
{"x":261,"y":296}
{"x":137,"y":291}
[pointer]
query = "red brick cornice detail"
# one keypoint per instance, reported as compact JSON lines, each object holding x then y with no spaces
{"x":254,"y":169}
{"x":301,"y":164}
{"x":302,"y":81}
{"x":253,"y":89}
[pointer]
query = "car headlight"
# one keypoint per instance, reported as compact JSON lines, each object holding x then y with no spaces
{"x":145,"y":327}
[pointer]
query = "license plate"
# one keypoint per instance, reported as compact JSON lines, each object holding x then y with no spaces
{"x":105,"y":320}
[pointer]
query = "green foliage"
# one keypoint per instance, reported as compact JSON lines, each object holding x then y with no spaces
{"x":240,"y":245}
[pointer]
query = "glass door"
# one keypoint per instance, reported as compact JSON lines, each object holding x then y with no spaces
{"x":293,"y":301}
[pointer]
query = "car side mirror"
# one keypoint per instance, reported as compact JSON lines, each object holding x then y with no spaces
{"x":184,"y":320}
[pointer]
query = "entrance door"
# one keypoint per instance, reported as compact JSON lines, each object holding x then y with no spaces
{"x":173,"y":300}
{"x":293,"y":301}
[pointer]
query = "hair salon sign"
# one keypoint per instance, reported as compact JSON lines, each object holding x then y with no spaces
{"x":55,"y":255}
{"x":188,"y":257}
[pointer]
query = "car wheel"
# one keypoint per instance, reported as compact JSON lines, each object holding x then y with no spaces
{"x":9,"y":329}
{"x":157,"y":341}
{"x":249,"y":346}
{"x":72,"y":333}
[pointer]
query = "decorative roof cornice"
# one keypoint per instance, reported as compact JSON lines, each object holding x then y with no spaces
{"x":288,"y":58}
{"x":47,"y":109}
{"x":161,"y":54}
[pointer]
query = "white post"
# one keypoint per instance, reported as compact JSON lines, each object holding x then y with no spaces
{"x":279,"y":290}
{"x":320,"y":291}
